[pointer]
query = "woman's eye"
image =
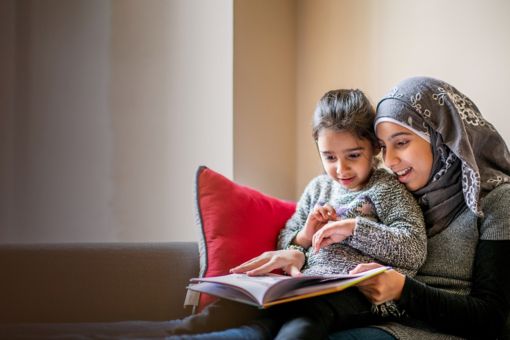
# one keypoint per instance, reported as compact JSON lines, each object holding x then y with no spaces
{"x":329,"y":158}
{"x":354,"y":155}
{"x":402,"y":143}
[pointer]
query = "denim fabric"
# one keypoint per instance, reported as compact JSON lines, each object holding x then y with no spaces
{"x":364,"y":333}
{"x":252,"y":332}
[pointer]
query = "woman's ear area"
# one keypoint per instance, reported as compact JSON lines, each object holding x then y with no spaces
{"x":377,"y":148}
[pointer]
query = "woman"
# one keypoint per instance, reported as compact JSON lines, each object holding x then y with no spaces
{"x":457,"y":165}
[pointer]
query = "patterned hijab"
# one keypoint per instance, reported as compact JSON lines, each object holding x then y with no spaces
{"x":470,"y":157}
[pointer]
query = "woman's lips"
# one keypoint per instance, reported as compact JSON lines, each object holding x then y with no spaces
{"x":403,"y":174}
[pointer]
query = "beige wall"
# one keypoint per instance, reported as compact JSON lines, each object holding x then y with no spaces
{"x":171,"y":107}
{"x":108,"y":107}
{"x":59,"y":127}
{"x":372,"y":44}
{"x":265,"y":95}
{"x":111,"y":106}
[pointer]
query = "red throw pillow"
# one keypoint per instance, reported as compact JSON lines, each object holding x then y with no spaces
{"x":237,"y":223}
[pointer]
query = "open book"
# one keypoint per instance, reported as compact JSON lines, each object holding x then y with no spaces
{"x":268,"y":290}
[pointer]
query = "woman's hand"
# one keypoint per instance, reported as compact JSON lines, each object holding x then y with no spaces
{"x":289,"y":260}
{"x":383,"y":287}
{"x":315,"y":221}
{"x":333,"y":232}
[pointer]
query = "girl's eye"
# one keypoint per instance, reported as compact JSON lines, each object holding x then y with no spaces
{"x":354,"y":155}
{"x":330,"y":158}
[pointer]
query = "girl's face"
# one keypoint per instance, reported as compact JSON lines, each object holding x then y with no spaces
{"x":346,"y":158}
{"x":406,"y":154}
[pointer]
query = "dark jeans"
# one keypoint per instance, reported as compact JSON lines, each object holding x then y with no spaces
{"x":304,"y":319}
{"x":364,"y":333}
{"x":251,"y":333}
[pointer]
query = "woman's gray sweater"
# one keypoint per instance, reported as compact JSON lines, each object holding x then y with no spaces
{"x":463,"y":286}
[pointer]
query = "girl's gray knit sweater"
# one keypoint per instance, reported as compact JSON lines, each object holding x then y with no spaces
{"x":389,"y":225}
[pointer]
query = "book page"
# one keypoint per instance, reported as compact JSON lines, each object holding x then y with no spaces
{"x":224,"y":291}
{"x":253,"y":286}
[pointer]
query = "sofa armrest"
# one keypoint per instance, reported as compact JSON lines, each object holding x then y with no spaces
{"x":95,"y":282}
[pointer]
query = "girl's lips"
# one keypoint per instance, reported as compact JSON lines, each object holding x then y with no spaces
{"x":346,"y":181}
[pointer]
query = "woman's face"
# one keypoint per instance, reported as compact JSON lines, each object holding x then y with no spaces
{"x":406,"y":154}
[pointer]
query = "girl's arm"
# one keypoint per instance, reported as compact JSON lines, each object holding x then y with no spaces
{"x":298,"y":219}
{"x":398,"y":239}
{"x":482,"y":313}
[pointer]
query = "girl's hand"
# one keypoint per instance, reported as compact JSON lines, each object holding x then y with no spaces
{"x":315,"y":221}
{"x":289,"y":260}
{"x":383,"y":287}
{"x":333,"y":232}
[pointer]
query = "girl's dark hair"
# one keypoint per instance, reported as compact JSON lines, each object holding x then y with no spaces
{"x":345,"y":110}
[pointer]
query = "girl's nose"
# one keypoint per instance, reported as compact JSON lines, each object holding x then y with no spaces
{"x":341,"y":167}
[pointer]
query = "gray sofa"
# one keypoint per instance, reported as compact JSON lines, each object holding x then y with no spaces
{"x":95,"y":282}
{"x":74,"y":283}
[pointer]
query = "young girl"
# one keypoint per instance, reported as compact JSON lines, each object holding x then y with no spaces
{"x":353,"y":214}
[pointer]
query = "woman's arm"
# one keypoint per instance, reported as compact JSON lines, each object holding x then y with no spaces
{"x":482,"y":313}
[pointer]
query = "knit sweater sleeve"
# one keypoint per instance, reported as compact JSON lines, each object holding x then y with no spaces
{"x":479,"y":315}
{"x":398,"y":239}
{"x":482,"y":313}
{"x":298,"y":219}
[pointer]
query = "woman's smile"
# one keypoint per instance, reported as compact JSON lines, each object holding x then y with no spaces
{"x":404,"y":174}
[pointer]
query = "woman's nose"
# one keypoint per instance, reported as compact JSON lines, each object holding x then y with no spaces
{"x":390,"y":158}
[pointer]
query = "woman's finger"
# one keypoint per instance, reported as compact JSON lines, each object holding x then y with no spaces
{"x":363,"y":267}
{"x":264,"y":269}
{"x":250,"y":264}
{"x":294,"y":271}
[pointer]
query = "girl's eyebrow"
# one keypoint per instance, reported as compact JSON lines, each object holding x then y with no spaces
{"x":358,"y":148}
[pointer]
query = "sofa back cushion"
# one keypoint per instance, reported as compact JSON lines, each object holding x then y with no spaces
{"x":95,"y":282}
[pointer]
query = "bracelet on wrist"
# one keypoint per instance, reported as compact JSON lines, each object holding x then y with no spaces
{"x":298,"y":248}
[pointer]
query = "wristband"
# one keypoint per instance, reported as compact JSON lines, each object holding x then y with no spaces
{"x":299,"y":248}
